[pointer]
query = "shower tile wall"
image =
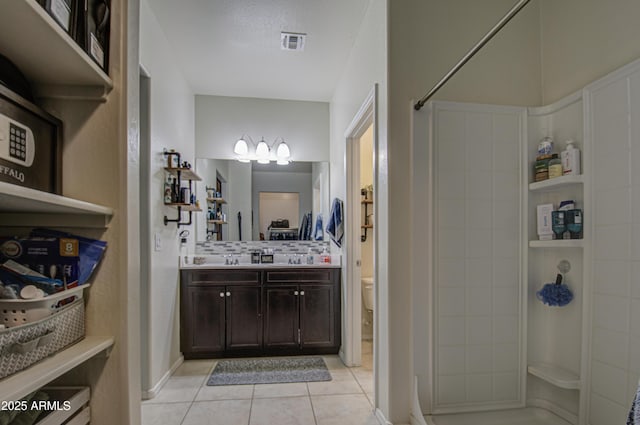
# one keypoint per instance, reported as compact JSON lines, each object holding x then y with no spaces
{"x":245,"y":247}
{"x":477,"y":282}
{"x":615,"y":352}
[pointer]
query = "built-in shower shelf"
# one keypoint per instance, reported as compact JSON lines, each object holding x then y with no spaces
{"x":555,"y":375}
{"x":555,"y":183}
{"x":558,"y":243}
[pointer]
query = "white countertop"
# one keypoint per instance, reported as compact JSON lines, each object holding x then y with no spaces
{"x":280,"y":261}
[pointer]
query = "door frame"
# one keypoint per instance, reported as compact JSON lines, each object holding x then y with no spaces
{"x":363,"y":119}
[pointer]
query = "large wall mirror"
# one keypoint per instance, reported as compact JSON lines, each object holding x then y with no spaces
{"x":251,"y":201}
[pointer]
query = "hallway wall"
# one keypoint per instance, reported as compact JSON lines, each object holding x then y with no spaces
{"x":172,"y":127}
{"x":366,"y":67}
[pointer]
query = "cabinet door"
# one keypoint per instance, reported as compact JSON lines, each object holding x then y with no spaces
{"x":205,"y":314}
{"x":318,"y":316}
{"x":281,"y":317}
{"x":244,"y":317}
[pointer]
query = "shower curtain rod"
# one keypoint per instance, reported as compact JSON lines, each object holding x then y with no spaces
{"x":488,"y":36}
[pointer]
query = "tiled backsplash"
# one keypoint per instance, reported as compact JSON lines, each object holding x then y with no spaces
{"x":245,"y":247}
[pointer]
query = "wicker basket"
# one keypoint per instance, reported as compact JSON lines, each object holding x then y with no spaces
{"x":21,"y":346}
{"x":19,"y":312}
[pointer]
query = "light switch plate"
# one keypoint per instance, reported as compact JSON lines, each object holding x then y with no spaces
{"x":158,"y":242}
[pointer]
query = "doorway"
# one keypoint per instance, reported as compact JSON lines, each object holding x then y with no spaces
{"x":360,"y":224}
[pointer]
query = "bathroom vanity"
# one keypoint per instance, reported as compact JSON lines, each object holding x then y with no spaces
{"x":259,"y":310}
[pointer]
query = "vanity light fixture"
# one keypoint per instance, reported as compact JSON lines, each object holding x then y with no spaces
{"x":263,"y":152}
{"x":283,"y":153}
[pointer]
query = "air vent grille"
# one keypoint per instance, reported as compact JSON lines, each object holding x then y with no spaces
{"x":292,"y":41}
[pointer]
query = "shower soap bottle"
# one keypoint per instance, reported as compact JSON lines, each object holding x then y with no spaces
{"x":570,"y":159}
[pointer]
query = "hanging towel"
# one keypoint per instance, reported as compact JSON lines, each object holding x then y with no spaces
{"x":634,"y":413}
{"x":318,"y":234}
{"x":304,"y":233}
{"x":303,"y":226}
{"x":335,"y":227}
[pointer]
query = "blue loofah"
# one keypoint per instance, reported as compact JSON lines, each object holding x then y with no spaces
{"x":555,"y":294}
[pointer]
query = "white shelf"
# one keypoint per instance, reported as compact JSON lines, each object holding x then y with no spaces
{"x":555,"y":375}
{"x":47,"y":55}
{"x":558,"y":243}
{"x":20,"y":384}
{"x":21,"y":206}
{"x":555,"y":183}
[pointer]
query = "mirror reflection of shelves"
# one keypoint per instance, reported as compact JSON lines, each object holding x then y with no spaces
{"x":215,"y":216}
{"x":283,"y":234}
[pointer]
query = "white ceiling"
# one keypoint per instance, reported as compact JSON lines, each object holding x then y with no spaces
{"x":232,"y":47}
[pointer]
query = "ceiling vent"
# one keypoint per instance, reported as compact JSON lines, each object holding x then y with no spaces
{"x":292,"y":41}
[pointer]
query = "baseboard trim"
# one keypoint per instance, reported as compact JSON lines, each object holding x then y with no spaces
{"x":153,"y":392}
{"x":380,"y":417}
{"x":416,"y":417}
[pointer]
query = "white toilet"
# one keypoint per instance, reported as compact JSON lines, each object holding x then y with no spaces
{"x":367,"y":292}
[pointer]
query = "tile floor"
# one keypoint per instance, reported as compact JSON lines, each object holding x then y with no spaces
{"x":187,"y":400}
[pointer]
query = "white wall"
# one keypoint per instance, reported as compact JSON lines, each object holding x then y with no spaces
{"x":366,"y":67}
{"x":220,"y":121}
{"x":583,"y":40}
{"x":615,"y":334}
{"x":172,"y":127}
{"x":477,"y":284}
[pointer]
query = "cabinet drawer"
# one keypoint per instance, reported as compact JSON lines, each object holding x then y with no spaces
{"x":198,"y":277}
{"x":300,"y":276}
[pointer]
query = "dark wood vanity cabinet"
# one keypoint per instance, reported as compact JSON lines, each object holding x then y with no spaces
{"x":220,"y":313}
{"x":253,"y":312}
{"x":302,"y":311}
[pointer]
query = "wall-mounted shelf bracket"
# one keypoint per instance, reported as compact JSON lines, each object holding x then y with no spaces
{"x":178,"y":220}
{"x":365,"y":202}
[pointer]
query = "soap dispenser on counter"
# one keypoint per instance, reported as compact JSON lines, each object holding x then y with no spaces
{"x":325,"y":258}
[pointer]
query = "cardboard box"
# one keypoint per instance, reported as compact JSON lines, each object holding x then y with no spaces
{"x":57,"y":258}
{"x":545,"y":230}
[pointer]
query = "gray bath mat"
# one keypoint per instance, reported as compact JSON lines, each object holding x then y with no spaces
{"x":269,"y":371}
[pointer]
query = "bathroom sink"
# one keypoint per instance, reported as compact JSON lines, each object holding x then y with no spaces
{"x":244,"y":261}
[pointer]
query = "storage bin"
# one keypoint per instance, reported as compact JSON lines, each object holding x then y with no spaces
{"x":75,"y":412}
{"x":21,"y":346}
{"x":19,"y":312}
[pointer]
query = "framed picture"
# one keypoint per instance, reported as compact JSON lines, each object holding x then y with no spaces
{"x":62,"y":11}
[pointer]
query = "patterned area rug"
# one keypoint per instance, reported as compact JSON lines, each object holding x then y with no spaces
{"x":269,"y":371}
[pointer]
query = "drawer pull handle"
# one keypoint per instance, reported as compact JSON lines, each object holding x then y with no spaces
{"x":221,"y":294}
{"x":228,"y":294}
{"x":295,"y":292}
{"x":301,"y":292}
